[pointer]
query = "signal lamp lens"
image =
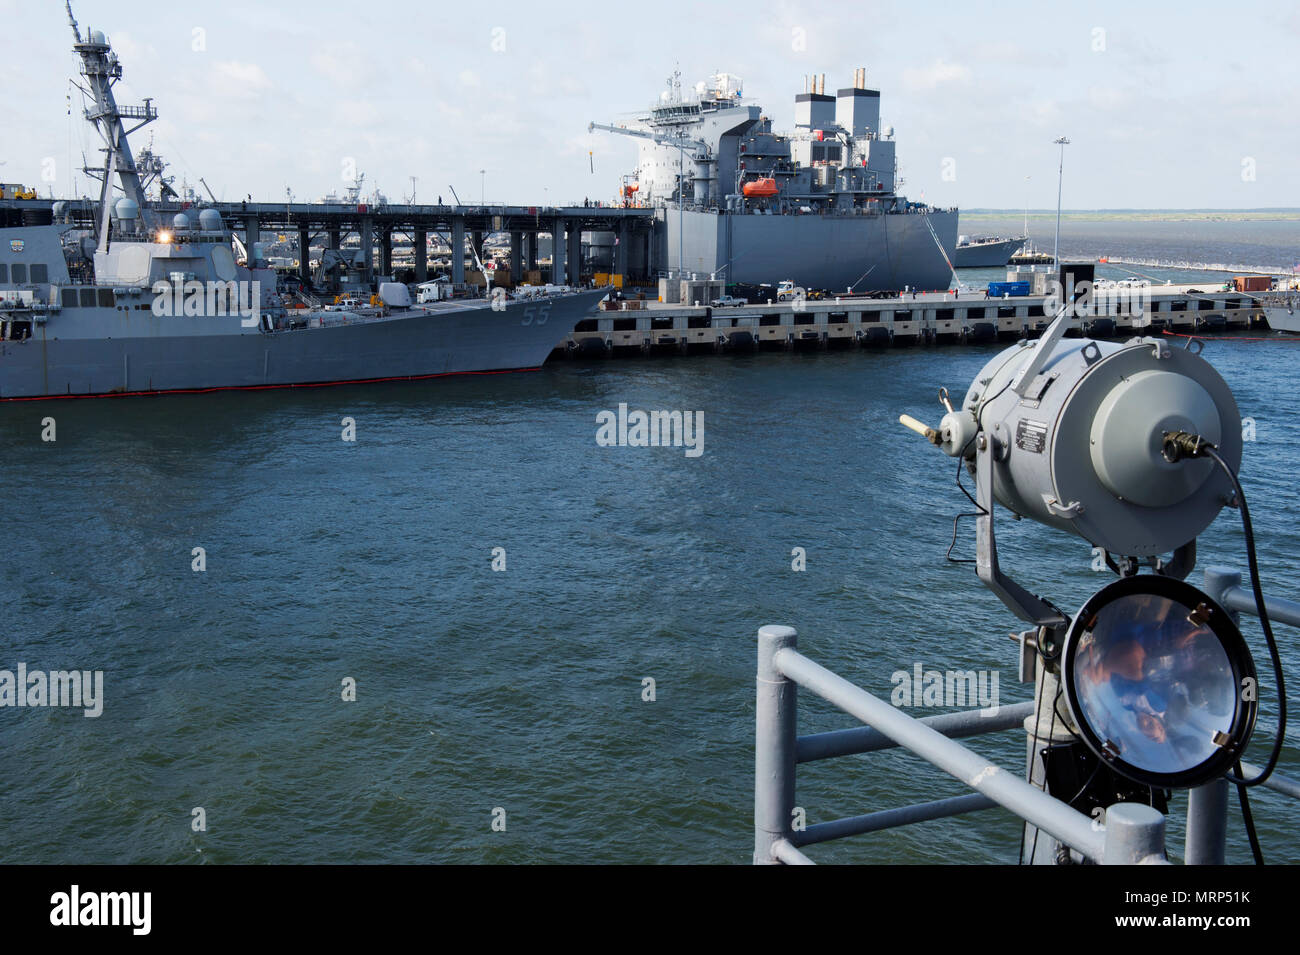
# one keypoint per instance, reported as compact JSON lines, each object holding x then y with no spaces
{"x":1159,"y":681}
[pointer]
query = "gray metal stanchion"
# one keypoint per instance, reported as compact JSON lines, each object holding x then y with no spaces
{"x":1134,"y":833}
{"x":774,"y":746}
{"x":1045,"y":727}
{"x":1207,"y":824}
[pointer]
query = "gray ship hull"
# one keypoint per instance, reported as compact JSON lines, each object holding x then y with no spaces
{"x":99,"y":351}
{"x":831,"y":252}
{"x":986,"y":255}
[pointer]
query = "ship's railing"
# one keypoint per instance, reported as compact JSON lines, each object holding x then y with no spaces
{"x":1131,"y":833}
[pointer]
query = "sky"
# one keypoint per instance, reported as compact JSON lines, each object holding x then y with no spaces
{"x":1166,"y":105}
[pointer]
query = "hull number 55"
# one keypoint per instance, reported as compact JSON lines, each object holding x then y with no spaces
{"x":536,"y":314}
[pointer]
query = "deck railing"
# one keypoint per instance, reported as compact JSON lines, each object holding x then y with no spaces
{"x":1131,"y":832}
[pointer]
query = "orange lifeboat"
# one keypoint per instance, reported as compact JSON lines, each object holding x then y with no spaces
{"x":630,"y":188}
{"x":760,"y":189}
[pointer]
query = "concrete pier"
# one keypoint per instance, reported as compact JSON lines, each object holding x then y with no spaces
{"x":458,"y":249}
{"x":421,"y":255}
{"x":574,"y":255}
{"x":631,"y":328}
{"x":557,"y":251}
{"x":304,"y":254}
{"x":634,"y":226}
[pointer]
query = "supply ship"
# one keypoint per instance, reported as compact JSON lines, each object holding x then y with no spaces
{"x":738,"y":201}
{"x":144,"y":305}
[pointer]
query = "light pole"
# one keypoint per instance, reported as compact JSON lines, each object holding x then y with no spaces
{"x":482,"y":193}
{"x":1060,"y":175}
{"x":1026,"y":232}
{"x":681,"y":199}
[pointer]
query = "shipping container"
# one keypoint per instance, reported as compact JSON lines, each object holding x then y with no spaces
{"x":999,"y":289}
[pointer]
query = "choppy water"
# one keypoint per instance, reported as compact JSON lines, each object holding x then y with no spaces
{"x":519,"y":689}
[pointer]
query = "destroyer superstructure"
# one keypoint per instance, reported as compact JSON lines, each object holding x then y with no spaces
{"x":737,"y":200}
{"x":144,"y":305}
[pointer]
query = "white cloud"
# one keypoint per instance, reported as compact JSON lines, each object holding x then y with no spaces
{"x":993,"y":95}
{"x":346,"y":66}
{"x":245,"y":79}
{"x":939,"y":73}
{"x":1107,"y":98}
{"x":127,"y":48}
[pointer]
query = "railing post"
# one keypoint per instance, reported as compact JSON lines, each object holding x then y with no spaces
{"x":774,"y":746}
{"x":1044,"y":728}
{"x":1207,"y":824}
{"x":1134,"y":833}
{"x":1218,"y":581}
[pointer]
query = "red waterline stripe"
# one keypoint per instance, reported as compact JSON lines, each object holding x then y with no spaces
{"x":312,"y":384}
{"x":1233,"y":338}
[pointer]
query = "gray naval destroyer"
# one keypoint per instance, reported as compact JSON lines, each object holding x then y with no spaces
{"x":737,"y":201}
{"x":145,"y":306}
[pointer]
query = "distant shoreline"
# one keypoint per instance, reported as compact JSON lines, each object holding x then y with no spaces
{"x":1168,"y":214}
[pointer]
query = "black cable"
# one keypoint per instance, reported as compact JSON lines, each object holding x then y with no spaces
{"x":1210,"y":451}
{"x":1084,"y":788}
{"x":1249,"y":819}
{"x":953,"y":543}
{"x":1176,"y":446}
{"x":961,"y":464}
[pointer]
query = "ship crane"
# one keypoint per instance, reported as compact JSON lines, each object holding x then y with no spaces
{"x":681,"y":143}
{"x":639,"y":133}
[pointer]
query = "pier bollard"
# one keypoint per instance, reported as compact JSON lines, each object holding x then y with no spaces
{"x":1134,"y":833}
{"x":774,"y":745}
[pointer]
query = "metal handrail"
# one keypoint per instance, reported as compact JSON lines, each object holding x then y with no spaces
{"x":1131,"y":833}
{"x":1224,"y":585}
{"x":865,"y":739}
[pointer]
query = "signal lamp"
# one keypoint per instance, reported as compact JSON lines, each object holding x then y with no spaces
{"x":1159,"y":681}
